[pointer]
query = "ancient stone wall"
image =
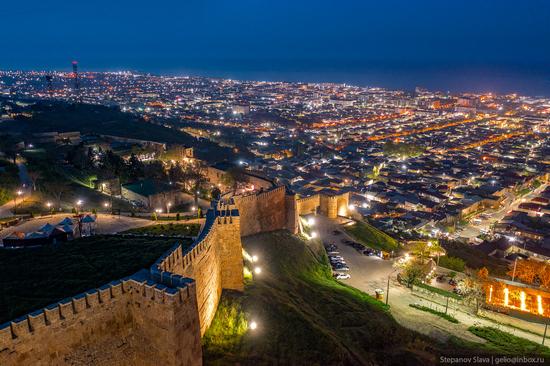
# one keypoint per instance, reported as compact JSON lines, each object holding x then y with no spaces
{"x":214,"y":262}
{"x":135,"y":314}
{"x":262,"y":212}
{"x":155,"y":317}
{"x":308,"y":205}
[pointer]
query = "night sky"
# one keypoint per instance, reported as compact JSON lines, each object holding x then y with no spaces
{"x":167,"y":36}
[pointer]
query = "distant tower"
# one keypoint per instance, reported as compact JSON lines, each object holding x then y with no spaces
{"x":76,"y":82}
{"x":49,"y":79}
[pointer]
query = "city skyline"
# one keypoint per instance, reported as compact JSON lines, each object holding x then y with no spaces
{"x":398,"y":44}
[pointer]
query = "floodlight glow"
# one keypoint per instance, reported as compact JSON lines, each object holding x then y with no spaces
{"x":506,"y":299}
{"x":311,"y":221}
{"x":523,"y":307}
{"x":257,"y":270}
{"x":254,"y":258}
{"x":253,"y":325}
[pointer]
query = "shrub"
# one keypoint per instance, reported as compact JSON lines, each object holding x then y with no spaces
{"x":454,"y":263}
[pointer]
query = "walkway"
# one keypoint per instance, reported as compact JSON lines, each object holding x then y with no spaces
{"x":370,"y":273}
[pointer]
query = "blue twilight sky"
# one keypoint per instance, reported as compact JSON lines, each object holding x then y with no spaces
{"x":268,"y":35}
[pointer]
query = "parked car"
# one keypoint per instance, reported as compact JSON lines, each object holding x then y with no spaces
{"x":342,"y":276}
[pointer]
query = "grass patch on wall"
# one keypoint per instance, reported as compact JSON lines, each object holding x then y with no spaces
{"x":372,"y":237}
{"x":36,"y":277}
{"x":167,"y":230}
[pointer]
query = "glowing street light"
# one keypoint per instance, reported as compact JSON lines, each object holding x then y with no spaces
{"x":253,"y":325}
{"x":106,"y":204}
{"x":311,"y":221}
{"x":257,"y":270}
{"x":254,"y":258}
{"x":351,"y":207}
{"x":193,"y":208}
{"x":313,"y":235}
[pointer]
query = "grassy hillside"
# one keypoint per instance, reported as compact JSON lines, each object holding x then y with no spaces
{"x":371,"y":236}
{"x":35,"y":277}
{"x":63,"y":117}
{"x":304,"y":316}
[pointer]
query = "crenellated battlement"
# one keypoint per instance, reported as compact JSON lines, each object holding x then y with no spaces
{"x":166,"y":308}
{"x":74,"y":310}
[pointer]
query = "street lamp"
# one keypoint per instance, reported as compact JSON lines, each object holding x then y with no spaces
{"x":18,"y":194}
{"x":168,"y":207}
{"x":253,"y":325}
{"x":515,"y":265}
{"x":78,"y":204}
{"x":257,"y":270}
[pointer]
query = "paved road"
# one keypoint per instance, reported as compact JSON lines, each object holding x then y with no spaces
{"x":370,"y":273}
{"x":473,"y":230}
{"x":6,"y":210}
{"x":106,"y":224}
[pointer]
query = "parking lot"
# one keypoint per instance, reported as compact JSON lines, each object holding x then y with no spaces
{"x":366,"y":272}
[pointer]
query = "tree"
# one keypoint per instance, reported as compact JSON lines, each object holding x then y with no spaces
{"x":234,"y":176}
{"x":155,"y":170}
{"x":135,"y":167}
{"x":424,"y":249}
{"x":471,"y":288}
{"x":412,"y":271}
{"x":34,"y":176}
{"x":194,"y":179}
{"x":176,"y":173}
{"x":526,"y":270}
{"x":114,"y":166}
{"x":216,"y":193}
{"x":8,"y":147}
{"x":56,"y":187}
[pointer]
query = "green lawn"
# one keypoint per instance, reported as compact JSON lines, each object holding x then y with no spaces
{"x":371,"y":236}
{"x":439,"y":291}
{"x":304,"y":316}
{"x":500,"y":342}
{"x":167,"y":229}
{"x":36,"y":277}
{"x":441,"y":314}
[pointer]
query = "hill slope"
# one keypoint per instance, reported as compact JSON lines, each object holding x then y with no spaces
{"x":95,"y":119}
{"x":304,"y":316}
